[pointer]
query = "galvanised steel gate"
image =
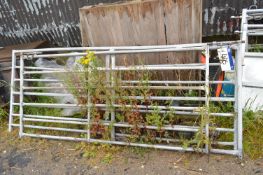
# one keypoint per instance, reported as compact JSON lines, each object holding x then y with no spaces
{"x":145,"y":106}
{"x":251,"y":30}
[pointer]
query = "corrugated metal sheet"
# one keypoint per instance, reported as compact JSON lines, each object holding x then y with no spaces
{"x":29,"y":20}
{"x":217,"y":13}
{"x":57,"y":21}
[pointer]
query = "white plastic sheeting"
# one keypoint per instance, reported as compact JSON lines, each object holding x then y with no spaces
{"x":253,"y":82}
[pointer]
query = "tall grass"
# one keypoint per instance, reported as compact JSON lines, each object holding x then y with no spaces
{"x":253,"y":133}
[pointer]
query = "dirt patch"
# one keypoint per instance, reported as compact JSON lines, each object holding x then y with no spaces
{"x":38,"y":156}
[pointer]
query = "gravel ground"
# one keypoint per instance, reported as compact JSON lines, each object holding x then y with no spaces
{"x":38,"y":156}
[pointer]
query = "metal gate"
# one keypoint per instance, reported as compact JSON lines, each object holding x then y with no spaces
{"x":251,"y":30}
{"x":175,"y":114}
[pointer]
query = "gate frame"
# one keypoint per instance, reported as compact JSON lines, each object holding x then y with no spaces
{"x":110,"y":52}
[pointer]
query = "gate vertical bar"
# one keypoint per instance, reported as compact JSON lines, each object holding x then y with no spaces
{"x":242,"y":48}
{"x":207,"y":92}
{"x":108,"y":82}
{"x":113,"y":64}
{"x":89,"y":115}
{"x":244,"y":34}
{"x":12,"y":87}
{"x":236,"y":101}
{"x":89,"y":108}
{"x":239,"y":61}
{"x":21,"y":96}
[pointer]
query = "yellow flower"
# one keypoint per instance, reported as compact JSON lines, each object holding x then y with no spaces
{"x":88,"y":58}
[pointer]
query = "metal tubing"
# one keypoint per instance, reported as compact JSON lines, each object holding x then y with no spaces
{"x":251,"y":11}
{"x":254,"y":33}
{"x":169,"y":140}
{"x":152,"y":65}
{"x":54,"y":121}
{"x":126,"y":87}
{"x":126,"y":125}
{"x":113,"y":75}
{"x":53,"y":117}
{"x":12,"y":88}
{"x":55,"y":128}
{"x":119,"y":52}
{"x":214,"y":44}
{"x":244,"y":30}
{"x":89,"y":110}
{"x":191,"y":113}
{"x":21,"y":97}
{"x":255,"y":26}
{"x":130,"y":68}
{"x":238,"y":138}
{"x":236,"y":103}
{"x":138,"y":106}
{"x":55,"y":137}
{"x":222,"y":151}
{"x":135,"y":81}
{"x":172,"y":148}
{"x":207,"y":92}
{"x":40,"y":80}
{"x":239,"y":63}
{"x":115,"y":48}
{"x":157,"y":98}
{"x":252,"y":84}
{"x":253,"y":54}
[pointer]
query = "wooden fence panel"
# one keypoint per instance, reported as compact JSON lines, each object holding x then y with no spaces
{"x":152,"y":22}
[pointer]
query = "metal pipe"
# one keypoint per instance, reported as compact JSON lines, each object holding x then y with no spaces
{"x":169,"y":140}
{"x":244,"y":30}
{"x":207,"y":92}
{"x":223,"y":151}
{"x":177,"y":82}
{"x":54,"y":121}
{"x":239,"y":99}
{"x":89,"y":116}
{"x":40,"y":80}
{"x":255,"y":26}
{"x":125,"y":87}
{"x":119,"y":52}
{"x":117,"y":134}
{"x":172,"y":148}
{"x":157,"y":98}
{"x":252,"y":84}
{"x":53,"y":117}
{"x":213,"y":45}
{"x":113,"y":75}
{"x":251,"y":11}
{"x":126,"y":125}
{"x":128,"y":106}
{"x":130,"y":68}
{"x":151,"y":65}
{"x":115,"y":48}
{"x":254,"y":33}
{"x":148,"y":110}
{"x":21,"y":97}
{"x":253,"y":54}
{"x":136,"y":81}
{"x":55,"y":128}
{"x":165,"y":112}
{"x":12,"y":87}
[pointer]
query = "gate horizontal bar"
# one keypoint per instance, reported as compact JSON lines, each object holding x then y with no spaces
{"x":172,"y":148}
{"x":146,"y":82}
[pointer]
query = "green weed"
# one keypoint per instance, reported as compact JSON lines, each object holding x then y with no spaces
{"x":3,"y":116}
{"x":252,"y":133}
{"x":98,"y":152}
